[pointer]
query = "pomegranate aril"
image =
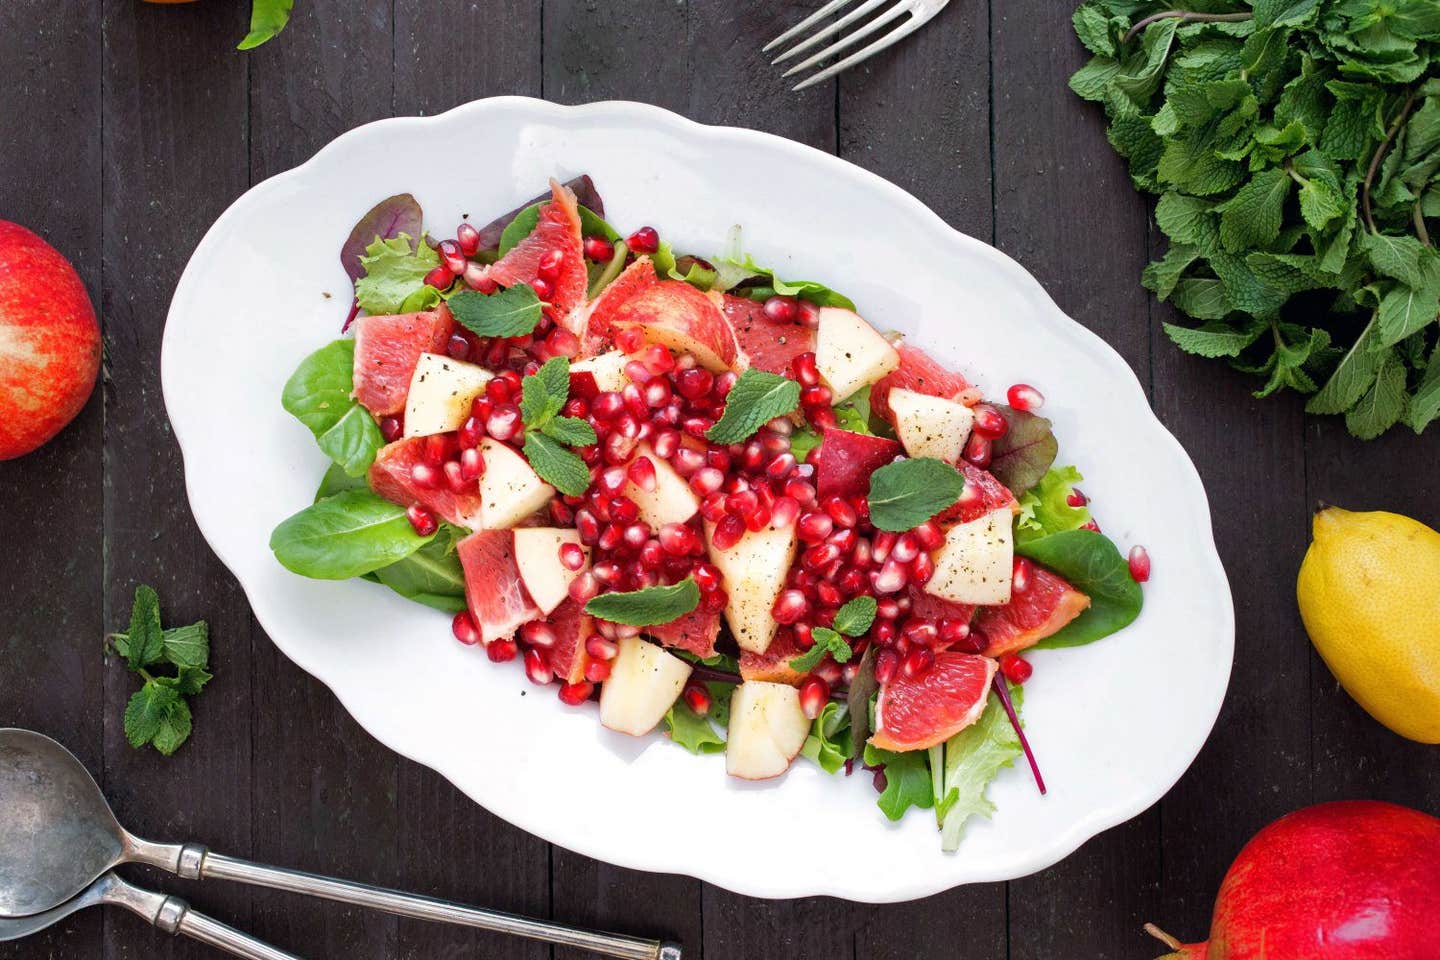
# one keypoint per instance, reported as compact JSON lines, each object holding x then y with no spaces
{"x":572,"y":556}
{"x":538,"y":633}
{"x":677,"y":539}
{"x":451,"y":256}
{"x":477,"y":277}
{"x":584,"y":587}
{"x":504,"y":422}
{"x":537,"y":667}
{"x":1016,"y":669}
{"x":714,"y":601}
{"x":814,"y":397}
{"x":697,"y":698}
{"x":587,"y":526}
{"x":574,"y":694}
{"x":977,"y":451}
{"x":989,"y":422}
{"x":840,"y":511}
{"x":425,"y":476}
{"x":1020,"y":575}
{"x":599,"y":648}
{"x":468,"y":237}
{"x":607,"y":405}
{"x":706,"y":481}
{"x":781,"y":309}
{"x":814,"y":694}
{"x":501,"y":651}
{"x":828,"y":594}
{"x":844,"y":539}
{"x":809,"y":314}
{"x":887,"y":609}
{"x":598,"y":249}
{"x":455,"y":477}
{"x":457,"y":347}
{"x":391,"y":429}
{"x":562,"y":343}
{"x":952,"y":630}
{"x":852,"y":582}
{"x":805,"y":370}
{"x":920,"y":630}
{"x":1139,"y":564}
{"x":917,"y":662}
{"x":440,"y":278}
{"x":707,"y":576}
{"x":436,"y":449}
{"x":890,"y":578}
{"x":1022,"y":396}
{"x":819,"y":556}
{"x":801,"y":492}
{"x":463,"y":626}
{"x":694,"y":383}
{"x":665,"y":443}
{"x":757,"y":519}
{"x":782,"y":466}
{"x":712,"y":508}
{"x":598,"y":671}
{"x":922,"y":569}
{"x":789,"y":607}
{"x":644,"y":240}
{"x":1076,"y":498}
{"x":929,"y":535}
{"x":784,"y":513}
{"x":542,"y":288}
{"x":550,"y":265}
{"x":728,"y":532}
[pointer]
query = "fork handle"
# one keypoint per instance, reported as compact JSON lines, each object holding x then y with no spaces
{"x":198,"y":862}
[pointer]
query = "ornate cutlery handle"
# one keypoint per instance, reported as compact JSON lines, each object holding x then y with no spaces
{"x":175,"y":916}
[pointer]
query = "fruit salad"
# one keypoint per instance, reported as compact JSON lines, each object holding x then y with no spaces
{"x":714,"y":501}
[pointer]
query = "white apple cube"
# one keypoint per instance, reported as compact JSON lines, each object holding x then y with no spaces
{"x":976,"y":561}
{"x":767,"y":730}
{"x":754,"y":570}
{"x":672,"y":500}
{"x":510,"y":491}
{"x":643,"y":684}
{"x":441,"y":392}
{"x":608,"y":369}
{"x":537,"y":554}
{"x":849,"y":353}
{"x":930,"y":426}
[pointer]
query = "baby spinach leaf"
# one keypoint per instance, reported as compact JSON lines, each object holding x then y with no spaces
{"x":1095,"y":567}
{"x":344,"y":536}
{"x":318,"y":395}
{"x":907,"y":781}
{"x":432,"y":575}
{"x":828,"y":744}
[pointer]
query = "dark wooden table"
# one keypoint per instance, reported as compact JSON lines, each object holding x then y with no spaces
{"x":125,"y":129}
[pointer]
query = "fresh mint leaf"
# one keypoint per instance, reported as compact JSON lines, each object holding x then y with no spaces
{"x":1405,"y":310}
{"x":1095,"y":567}
{"x":906,"y":493}
{"x":1215,"y":339}
{"x":394,"y":268}
{"x":1383,"y":405}
{"x":826,"y":641}
{"x":1352,"y":377}
{"x":856,"y":616}
{"x":147,"y":710}
{"x":144,"y":641}
{"x":189,"y":680}
{"x":267,"y":19}
{"x":318,"y":395}
{"x":173,"y":728}
{"x":1252,"y":218}
{"x":188,"y":647}
{"x":907,"y":781}
{"x":556,"y":464}
{"x":544,"y":392}
{"x":756,"y":398}
{"x":572,"y":431}
{"x":1425,"y":402}
{"x":647,"y":607}
{"x":344,"y":536}
{"x":512,"y":312}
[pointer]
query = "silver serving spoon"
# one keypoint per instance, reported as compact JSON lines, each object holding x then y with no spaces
{"x":57,"y":835}
{"x":170,"y":914}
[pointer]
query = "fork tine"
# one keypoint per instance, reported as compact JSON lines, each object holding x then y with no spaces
{"x":845,"y":41}
{"x":893,"y":36}
{"x":815,"y":17}
{"x":828,"y":29}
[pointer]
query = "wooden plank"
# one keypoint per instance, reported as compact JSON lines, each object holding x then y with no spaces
{"x":1354,"y":756}
{"x":448,"y":845}
{"x":49,"y":589}
{"x":173,"y":104}
{"x":919,"y":115}
{"x":1065,"y":209}
{"x":326,"y":799}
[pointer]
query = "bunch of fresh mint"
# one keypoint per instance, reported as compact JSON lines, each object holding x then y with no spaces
{"x":1294,"y":145}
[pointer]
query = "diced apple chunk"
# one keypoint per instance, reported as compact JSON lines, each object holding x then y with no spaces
{"x":754,"y":572}
{"x":608,"y":369}
{"x":672,"y":500}
{"x":850,"y":353}
{"x":537,"y":553}
{"x":441,"y":392}
{"x":510,"y":490}
{"x":975,"y":563}
{"x":767,"y":730}
{"x":643,"y":684}
{"x":930,"y":426}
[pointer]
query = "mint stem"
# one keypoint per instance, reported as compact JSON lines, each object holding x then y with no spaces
{"x":1184,"y":15}
{"x":1004,"y":694}
{"x":1380,"y":155}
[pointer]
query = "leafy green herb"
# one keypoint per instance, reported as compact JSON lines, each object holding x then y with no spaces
{"x":1095,"y":567}
{"x":647,"y":607}
{"x":1020,"y":458}
{"x":857,"y":701}
{"x":336,"y":480}
{"x":906,"y":493}
{"x":696,"y":733}
{"x":511,"y":312}
{"x":157,"y":713}
{"x":736,"y":267}
{"x":542,"y":397}
{"x":907,"y":781}
{"x":1294,"y":146}
{"x":344,"y":536}
{"x":828,"y":744}
{"x":756,"y":398}
{"x":318,"y":395}
{"x":432,"y":575}
{"x":543,"y":393}
{"x":826,"y":641}
{"x":526,"y":220}
{"x":856,"y":616}
{"x":556,"y":463}
{"x":973,"y":758}
{"x":267,"y":19}
{"x":1045,"y":508}
{"x":395,"y":268}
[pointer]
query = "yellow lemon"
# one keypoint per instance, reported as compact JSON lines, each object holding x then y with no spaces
{"x":1369,"y":593}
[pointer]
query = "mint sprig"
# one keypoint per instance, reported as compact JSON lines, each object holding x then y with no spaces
{"x":756,"y":398}
{"x":512,"y":312}
{"x":548,"y":435}
{"x":647,"y":607}
{"x":906,"y":493}
{"x":158,"y":713}
{"x":851,"y":620}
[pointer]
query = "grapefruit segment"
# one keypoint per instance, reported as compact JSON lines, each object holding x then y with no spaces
{"x":600,"y":314}
{"x":1046,"y":605}
{"x":390,"y":477}
{"x":572,"y":625}
{"x":769,"y":345}
{"x":493,"y":590}
{"x":387,"y":349}
{"x":558,"y":229}
{"x":675,"y":314}
{"x":918,"y":713}
{"x":773,"y":666}
{"x":920,"y":373}
{"x":846,"y":460}
{"x":695,"y":632}
{"x":983,"y":493}
{"x":926,"y":605}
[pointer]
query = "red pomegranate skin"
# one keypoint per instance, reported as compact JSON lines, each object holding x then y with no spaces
{"x":1351,"y":880}
{"x":49,"y":341}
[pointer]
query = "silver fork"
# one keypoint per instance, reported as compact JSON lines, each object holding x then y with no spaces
{"x":916,"y":14}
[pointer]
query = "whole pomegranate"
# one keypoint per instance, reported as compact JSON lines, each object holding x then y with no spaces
{"x":1353,"y":880}
{"x":49,"y":341}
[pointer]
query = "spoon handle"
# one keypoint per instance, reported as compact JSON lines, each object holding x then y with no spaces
{"x":206,"y":865}
{"x":174,"y":916}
